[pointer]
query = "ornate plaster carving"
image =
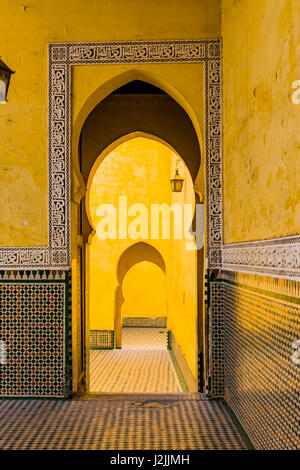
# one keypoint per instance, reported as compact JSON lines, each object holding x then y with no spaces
{"x":279,"y":257}
{"x":61,"y":58}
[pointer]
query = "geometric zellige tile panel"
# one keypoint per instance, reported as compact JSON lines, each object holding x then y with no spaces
{"x":33,"y":328}
{"x":217,"y":339}
{"x":101,"y":339}
{"x":262,"y":384}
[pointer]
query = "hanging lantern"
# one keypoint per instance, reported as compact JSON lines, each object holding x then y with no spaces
{"x":177,"y":181}
{"x":5,"y":74}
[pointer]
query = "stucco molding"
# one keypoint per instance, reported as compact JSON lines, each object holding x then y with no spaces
{"x":279,"y":257}
{"x":61,"y":57}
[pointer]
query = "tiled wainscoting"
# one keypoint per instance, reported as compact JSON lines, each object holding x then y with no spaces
{"x":261,"y":381}
{"x":105,"y":339}
{"x":253,"y":324}
{"x":34,"y":331}
{"x":102,"y":339}
{"x":216,"y":339}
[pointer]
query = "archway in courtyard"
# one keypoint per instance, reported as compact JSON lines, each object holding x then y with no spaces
{"x":139,"y":170}
{"x":137,"y":254}
{"x":104,"y":129}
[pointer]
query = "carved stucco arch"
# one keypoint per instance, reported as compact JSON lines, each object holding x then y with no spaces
{"x":62,"y":58}
{"x":278,"y":257}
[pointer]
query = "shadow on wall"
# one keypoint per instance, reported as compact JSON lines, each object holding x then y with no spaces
{"x":133,"y":255}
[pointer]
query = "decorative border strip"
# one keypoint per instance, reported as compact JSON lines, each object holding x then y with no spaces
{"x":278,"y":257}
{"x":24,"y":257}
{"x":169,"y":333}
{"x":33,"y":275}
{"x":144,"y":322}
{"x":61,"y":58}
{"x":280,"y":288}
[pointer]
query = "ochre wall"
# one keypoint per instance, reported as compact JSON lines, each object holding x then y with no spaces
{"x":261,"y":124}
{"x":183,"y":298}
{"x":144,"y":290}
{"x":26,"y":30}
{"x":261,"y":200}
{"x":137,"y":169}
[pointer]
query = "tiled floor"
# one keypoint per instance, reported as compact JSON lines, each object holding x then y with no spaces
{"x":132,"y":372}
{"x":143,"y":365}
{"x":173,"y":422}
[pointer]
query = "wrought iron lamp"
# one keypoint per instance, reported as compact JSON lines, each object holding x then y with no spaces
{"x":5,"y":74}
{"x":177,"y":181}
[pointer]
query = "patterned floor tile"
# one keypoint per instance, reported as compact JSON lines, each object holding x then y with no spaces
{"x":132,"y":371}
{"x":110,"y":424}
{"x":143,"y":364}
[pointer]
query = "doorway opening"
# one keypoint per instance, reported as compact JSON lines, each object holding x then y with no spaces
{"x":140,"y":291}
{"x":139,"y":361}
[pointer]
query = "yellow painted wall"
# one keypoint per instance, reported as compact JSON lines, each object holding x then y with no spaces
{"x":261,"y":124}
{"x":144,"y":290}
{"x":141,"y":169}
{"x":26,"y":30}
{"x":183,"y":301}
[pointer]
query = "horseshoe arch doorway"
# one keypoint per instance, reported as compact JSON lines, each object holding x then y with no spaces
{"x":134,"y":110}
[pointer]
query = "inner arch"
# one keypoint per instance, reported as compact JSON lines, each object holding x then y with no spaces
{"x":138,"y":106}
